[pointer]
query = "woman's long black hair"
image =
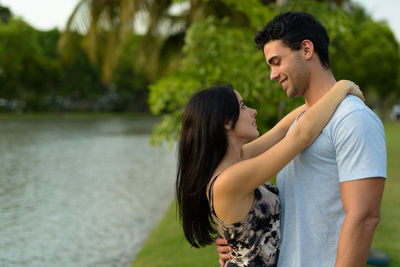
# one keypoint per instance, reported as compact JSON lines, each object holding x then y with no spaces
{"x":203,"y":144}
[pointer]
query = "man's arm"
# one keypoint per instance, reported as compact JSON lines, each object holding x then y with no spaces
{"x":361,"y":202}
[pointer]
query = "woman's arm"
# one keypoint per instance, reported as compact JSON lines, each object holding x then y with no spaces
{"x":273,"y":136}
{"x":315,"y":119}
{"x":239,"y":181}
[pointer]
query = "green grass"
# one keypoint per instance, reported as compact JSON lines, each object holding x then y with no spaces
{"x":166,"y":246}
{"x":387,"y":234}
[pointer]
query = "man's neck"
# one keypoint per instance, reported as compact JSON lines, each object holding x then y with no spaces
{"x":321,"y":81}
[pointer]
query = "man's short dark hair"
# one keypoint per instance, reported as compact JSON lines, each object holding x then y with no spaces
{"x":292,"y":28}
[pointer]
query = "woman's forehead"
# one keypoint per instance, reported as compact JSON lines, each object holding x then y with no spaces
{"x":239,"y":97}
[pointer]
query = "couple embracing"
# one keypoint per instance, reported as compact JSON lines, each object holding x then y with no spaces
{"x":329,"y":157}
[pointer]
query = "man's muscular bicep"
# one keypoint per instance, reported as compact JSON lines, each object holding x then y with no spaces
{"x":362,"y":198}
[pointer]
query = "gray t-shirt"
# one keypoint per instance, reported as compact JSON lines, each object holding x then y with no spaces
{"x":352,"y":146}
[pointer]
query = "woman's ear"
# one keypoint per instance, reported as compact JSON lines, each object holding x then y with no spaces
{"x":228,"y":125}
{"x":307,"y":48}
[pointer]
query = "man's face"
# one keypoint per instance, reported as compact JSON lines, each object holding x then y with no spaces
{"x":287,"y":67}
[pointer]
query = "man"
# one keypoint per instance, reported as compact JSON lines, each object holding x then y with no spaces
{"x":331,"y":192}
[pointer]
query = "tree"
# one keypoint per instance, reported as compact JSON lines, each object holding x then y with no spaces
{"x":367,"y":52}
{"x":217,"y":50}
{"x":5,"y":14}
{"x":30,"y":69}
{"x":130,"y":82}
{"x":32,"y":74}
{"x":107,"y":24}
{"x":18,"y":50}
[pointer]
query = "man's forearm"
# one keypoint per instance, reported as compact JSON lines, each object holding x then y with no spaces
{"x":355,"y":241}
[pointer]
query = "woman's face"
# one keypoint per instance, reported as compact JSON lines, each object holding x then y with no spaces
{"x":245,"y":127}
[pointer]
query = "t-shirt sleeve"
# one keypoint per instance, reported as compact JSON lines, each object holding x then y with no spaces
{"x":359,"y":140}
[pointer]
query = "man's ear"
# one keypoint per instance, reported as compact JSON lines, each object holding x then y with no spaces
{"x":307,"y":48}
{"x":228,"y":125}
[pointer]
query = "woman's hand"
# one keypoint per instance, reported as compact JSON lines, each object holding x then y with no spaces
{"x":350,"y":88}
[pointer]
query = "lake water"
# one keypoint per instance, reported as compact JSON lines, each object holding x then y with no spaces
{"x":79,"y":192}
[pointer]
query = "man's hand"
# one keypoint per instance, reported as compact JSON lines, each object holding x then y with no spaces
{"x":223,"y":250}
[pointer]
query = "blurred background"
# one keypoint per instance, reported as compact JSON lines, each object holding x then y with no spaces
{"x":149,"y":56}
{"x":87,"y":85}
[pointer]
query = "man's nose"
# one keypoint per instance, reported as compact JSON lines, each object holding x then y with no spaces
{"x":274,"y":74}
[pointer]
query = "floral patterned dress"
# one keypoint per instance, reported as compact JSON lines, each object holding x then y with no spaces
{"x":255,"y":240}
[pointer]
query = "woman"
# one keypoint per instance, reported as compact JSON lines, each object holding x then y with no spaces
{"x":222,"y":180}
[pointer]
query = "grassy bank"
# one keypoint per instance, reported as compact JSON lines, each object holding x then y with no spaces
{"x":166,"y":246}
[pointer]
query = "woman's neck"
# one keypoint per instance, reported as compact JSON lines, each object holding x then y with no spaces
{"x":232,"y":156}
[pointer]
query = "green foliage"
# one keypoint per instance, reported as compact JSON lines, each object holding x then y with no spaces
{"x":218,"y":50}
{"x":22,"y":65}
{"x":366,"y":52}
{"x":388,"y":230}
{"x":211,"y":42}
{"x":5,"y":14}
{"x":32,"y":73}
{"x":80,"y":81}
{"x":361,"y":49}
{"x":256,"y":12}
{"x":130,"y":82}
{"x":35,"y":78}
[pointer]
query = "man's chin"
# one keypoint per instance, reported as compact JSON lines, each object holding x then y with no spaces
{"x":291,"y":94}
